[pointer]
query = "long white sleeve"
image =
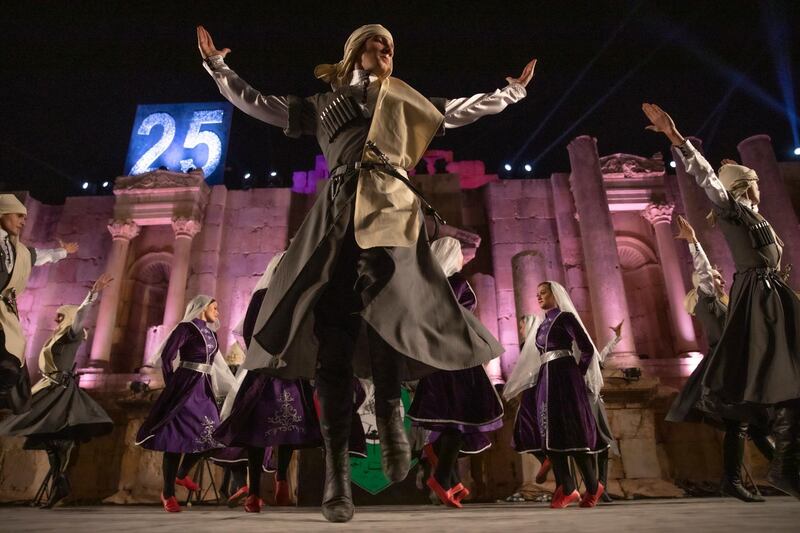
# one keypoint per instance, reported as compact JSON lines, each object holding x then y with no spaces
{"x":49,"y":255}
{"x":462,"y":111}
{"x":273,"y":110}
{"x":702,"y":268}
{"x":83,"y":312}
{"x":703,"y":173}
{"x":608,"y":348}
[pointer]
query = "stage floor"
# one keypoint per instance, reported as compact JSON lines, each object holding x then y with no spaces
{"x":778,"y":514}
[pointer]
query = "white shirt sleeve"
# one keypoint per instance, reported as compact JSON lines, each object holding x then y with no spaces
{"x":608,"y":348}
{"x":273,"y":110}
{"x":49,"y":255}
{"x":703,"y":173}
{"x":462,"y":111}
{"x":703,"y":268}
{"x":82,"y":313}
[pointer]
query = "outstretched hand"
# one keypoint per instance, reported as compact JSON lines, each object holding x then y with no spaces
{"x":102,"y":282}
{"x":685,"y":230}
{"x":206,"y":44}
{"x":617,"y":329}
{"x":728,"y":162}
{"x":526,"y":76}
{"x":70,"y":247}
{"x":661,"y":122}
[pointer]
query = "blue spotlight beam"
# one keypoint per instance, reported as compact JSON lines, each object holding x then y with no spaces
{"x":614,"y":88}
{"x":575,"y":83}
{"x":779,"y":37}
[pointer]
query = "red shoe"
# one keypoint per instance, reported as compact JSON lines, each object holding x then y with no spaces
{"x":253,"y":504}
{"x":544,"y":469}
{"x":237,"y":497}
{"x":188,"y":483}
{"x":170,"y":504}
{"x":282,"y":493}
{"x":560,"y":500}
{"x":433,"y":460}
{"x":445,"y":496}
{"x":460,"y":492}
{"x":590,"y":500}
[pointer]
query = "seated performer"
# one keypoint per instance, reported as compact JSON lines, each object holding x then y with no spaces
{"x":61,"y":414}
{"x":458,"y":407}
{"x":555,"y":416}
{"x":709,"y":303}
{"x":16,"y":261}
{"x":361,"y":260}
{"x":756,"y":362}
{"x":184,"y":417}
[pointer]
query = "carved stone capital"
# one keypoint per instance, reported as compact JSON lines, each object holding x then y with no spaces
{"x":123,"y":230}
{"x":186,"y":227}
{"x":658,"y":213}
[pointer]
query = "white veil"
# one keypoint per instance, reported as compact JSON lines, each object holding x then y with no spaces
{"x":529,"y":363}
{"x":221,"y":377}
{"x":263,"y":283}
{"x":447,"y":252}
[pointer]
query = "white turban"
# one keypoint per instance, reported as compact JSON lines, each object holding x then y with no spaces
{"x":337,"y":74}
{"x":10,"y":204}
{"x":737,"y":178}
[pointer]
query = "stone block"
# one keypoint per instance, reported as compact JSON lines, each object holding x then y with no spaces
{"x":632,"y":423}
{"x":649,"y":488}
{"x":639,"y":458}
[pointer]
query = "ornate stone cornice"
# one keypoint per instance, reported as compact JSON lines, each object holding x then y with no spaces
{"x":186,"y":227}
{"x":124,"y":230}
{"x":658,"y":213}
{"x":632,"y":166}
{"x":158,"y":179}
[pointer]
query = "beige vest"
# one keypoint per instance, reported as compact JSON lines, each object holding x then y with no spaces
{"x":9,"y":322}
{"x":387,"y":212}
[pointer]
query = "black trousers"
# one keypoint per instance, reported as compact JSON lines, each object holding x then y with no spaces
{"x":359,"y":274}
{"x":15,"y":384}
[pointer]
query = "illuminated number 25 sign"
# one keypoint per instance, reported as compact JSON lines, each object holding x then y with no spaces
{"x":180,"y":137}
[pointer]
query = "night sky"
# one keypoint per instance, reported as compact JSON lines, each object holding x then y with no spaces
{"x":74,"y":72}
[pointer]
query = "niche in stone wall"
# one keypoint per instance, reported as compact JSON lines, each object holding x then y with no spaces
{"x":647,"y":300}
{"x":145,"y":300}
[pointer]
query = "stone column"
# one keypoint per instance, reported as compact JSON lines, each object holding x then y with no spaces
{"x":697,"y":206}
{"x":486,"y":311}
{"x":121,"y":234}
{"x":776,"y":203}
{"x":606,"y":287}
{"x":569,"y":240}
{"x":185,"y":230}
{"x":660,"y":216}
{"x":528,"y":269}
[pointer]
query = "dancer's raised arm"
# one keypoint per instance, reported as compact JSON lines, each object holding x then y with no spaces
{"x":273,"y":110}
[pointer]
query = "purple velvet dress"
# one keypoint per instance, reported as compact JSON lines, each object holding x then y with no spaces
{"x":269,"y":411}
{"x":464,"y":400}
{"x":555,"y":415}
{"x":185,"y":415}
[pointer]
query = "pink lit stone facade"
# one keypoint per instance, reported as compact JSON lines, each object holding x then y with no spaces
{"x":166,"y":237}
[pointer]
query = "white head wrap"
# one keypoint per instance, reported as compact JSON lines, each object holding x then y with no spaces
{"x":737,"y":178}
{"x":447,"y":252}
{"x":529,"y":363}
{"x":10,"y":204}
{"x":337,"y":74}
{"x":221,"y":377}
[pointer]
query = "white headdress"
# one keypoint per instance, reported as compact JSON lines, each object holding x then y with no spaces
{"x":221,"y":377}
{"x":447,"y":252}
{"x":529,"y":363}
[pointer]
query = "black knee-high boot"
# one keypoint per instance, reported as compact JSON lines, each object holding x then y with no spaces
{"x":169,"y":470}
{"x":334,"y":385}
{"x":732,"y":457}
{"x":284,"y":459}
{"x":585,"y":464}
{"x":759,"y":438}
{"x":255,"y":459}
{"x":395,"y":447}
{"x":783,"y":470}
{"x":58,"y":453}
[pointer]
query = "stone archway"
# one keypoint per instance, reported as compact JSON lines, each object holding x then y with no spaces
{"x":142,"y":307}
{"x":647,"y":301}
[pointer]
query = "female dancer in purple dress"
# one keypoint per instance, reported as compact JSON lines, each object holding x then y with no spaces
{"x":555,"y":416}
{"x":183,"y":419}
{"x":458,"y":407}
